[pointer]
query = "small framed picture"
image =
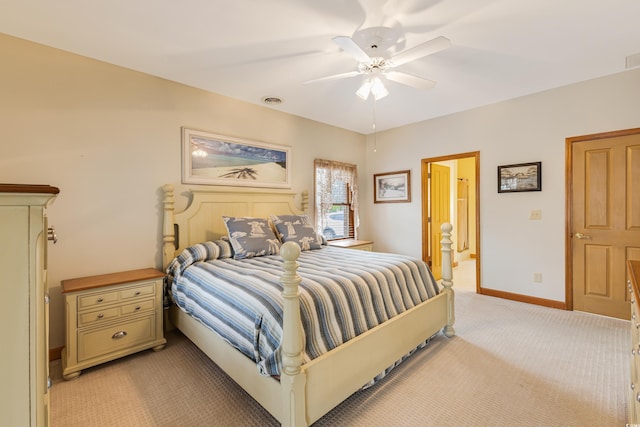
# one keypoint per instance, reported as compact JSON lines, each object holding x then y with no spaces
{"x":392,"y":187}
{"x":520,"y":177}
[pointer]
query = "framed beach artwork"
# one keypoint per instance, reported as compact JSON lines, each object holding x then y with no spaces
{"x":392,"y":187}
{"x":520,"y":177}
{"x":222,"y":160}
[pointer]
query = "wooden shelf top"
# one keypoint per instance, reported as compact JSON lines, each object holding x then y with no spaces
{"x":90,"y":282}
{"x":348,"y":243}
{"x":28,"y":188}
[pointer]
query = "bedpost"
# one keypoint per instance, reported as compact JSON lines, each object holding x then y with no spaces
{"x":168,"y":233}
{"x":292,"y":378}
{"x":447,"y":275}
{"x":305,"y":201}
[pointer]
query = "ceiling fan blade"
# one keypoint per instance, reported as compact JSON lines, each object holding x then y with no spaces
{"x":419,"y":51}
{"x":409,"y":80}
{"x":333,"y":77}
{"x":348,"y":45}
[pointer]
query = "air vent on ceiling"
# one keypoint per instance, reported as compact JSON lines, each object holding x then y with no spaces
{"x":272,"y":100}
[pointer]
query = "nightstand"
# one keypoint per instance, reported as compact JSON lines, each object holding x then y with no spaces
{"x":110,"y":316}
{"x":363,"y":245}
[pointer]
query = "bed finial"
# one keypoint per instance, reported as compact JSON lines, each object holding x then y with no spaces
{"x":293,"y":383}
{"x":168,"y":232}
{"x":447,"y":275}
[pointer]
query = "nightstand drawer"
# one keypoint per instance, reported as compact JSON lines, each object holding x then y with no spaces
{"x":97,"y":299}
{"x":138,"y":307}
{"x":143,"y":290}
{"x":98,"y":342}
{"x":98,"y":316}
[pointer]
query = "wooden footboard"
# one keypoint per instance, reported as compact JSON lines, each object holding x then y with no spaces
{"x":309,"y":391}
{"x":305,"y":392}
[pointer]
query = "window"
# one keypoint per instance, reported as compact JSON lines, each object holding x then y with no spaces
{"x":336,"y":199}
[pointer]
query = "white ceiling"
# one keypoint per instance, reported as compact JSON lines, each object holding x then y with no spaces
{"x":249,"y":49}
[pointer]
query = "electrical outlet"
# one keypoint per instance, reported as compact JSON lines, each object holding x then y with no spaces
{"x":535,"y":214}
{"x":537,"y":277}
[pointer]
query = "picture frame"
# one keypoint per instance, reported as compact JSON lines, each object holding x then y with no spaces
{"x":520,"y":177}
{"x":392,"y":187}
{"x":211,"y":159}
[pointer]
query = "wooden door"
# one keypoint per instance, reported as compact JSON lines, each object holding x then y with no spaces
{"x":605,"y":219}
{"x":439,"y":212}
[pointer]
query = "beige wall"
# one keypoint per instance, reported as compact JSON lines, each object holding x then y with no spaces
{"x":527,"y":129}
{"x":109,"y":138}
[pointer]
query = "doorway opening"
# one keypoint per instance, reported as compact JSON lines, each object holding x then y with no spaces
{"x":451,"y":193}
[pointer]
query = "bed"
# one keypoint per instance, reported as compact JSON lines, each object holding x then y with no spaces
{"x":301,"y":393}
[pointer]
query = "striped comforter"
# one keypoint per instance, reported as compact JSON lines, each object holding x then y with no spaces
{"x":343,"y":293}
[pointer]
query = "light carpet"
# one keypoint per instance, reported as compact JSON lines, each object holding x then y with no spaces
{"x":510,"y":364}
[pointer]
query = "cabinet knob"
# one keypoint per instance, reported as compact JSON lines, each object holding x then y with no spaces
{"x":100,"y":316}
{"x":137,"y":293}
{"x":99,"y":300}
{"x":118,"y":335}
{"x":51,"y":235}
{"x":138,"y":307}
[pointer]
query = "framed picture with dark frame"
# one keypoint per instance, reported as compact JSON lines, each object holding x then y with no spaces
{"x":212,"y":159}
{"x":520,"y":177}
{"x":392,"y":187}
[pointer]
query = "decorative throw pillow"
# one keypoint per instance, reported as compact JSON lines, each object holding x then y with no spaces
{"x":297,"y":228}
{"x":251,"y":237}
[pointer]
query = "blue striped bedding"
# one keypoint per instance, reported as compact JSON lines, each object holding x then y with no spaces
{"x":343,"y":293}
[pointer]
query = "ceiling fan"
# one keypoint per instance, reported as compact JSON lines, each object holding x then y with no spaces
{"x":376,"y":64}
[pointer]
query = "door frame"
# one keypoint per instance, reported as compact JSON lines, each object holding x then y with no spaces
{"x":568,"y":235}
{"x":426,"y":236}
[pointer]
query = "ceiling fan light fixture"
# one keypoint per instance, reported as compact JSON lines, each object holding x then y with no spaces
{"x":372,"y":86}
{"x":365,"y":89}
{"x":378,"y":89}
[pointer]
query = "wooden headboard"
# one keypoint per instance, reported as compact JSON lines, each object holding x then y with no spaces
{"x":201,"y":221}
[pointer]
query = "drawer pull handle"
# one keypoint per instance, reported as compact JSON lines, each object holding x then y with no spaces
{"x":638,"y":397}
{"x":100,"y":316}
{"x":138,"y":307}
{"x":119,"y":335}
{"x":99,"y":300}
{"x":137,"y":293}
{"x":51,"y":235}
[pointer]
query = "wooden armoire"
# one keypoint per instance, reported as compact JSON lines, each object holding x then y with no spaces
{"x":24,"y":329}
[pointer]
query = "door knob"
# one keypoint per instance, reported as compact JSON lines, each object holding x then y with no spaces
{"x":582,"y":236}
